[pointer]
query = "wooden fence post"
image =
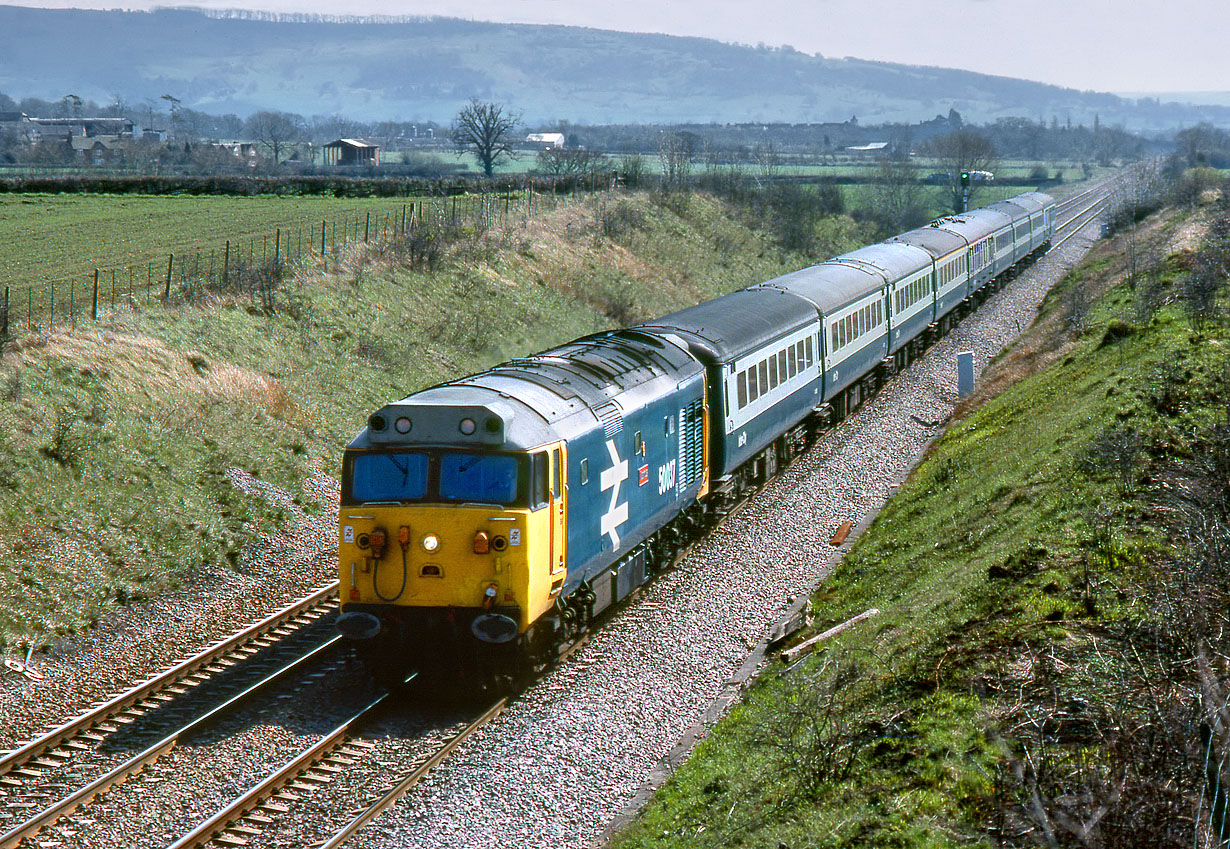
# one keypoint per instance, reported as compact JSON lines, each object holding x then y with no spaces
{"x":4,"y":316}
{"x":367,"y":226}
{"x":51,"y":303}
{"x":94,"y":302}
{"x":322,"y":238}
{"x":170,"y":264}
{"x":277,"y":247}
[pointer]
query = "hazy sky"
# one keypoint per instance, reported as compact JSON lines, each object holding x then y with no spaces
{"x":1105,"y":45}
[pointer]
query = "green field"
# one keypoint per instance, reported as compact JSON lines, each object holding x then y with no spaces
{"x":53,"y":237}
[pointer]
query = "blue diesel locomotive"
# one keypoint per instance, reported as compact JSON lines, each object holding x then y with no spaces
{"x":486,"y":521}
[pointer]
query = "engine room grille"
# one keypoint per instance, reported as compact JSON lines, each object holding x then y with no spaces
{"x":691,"y":444}
{"x":612,"y":420}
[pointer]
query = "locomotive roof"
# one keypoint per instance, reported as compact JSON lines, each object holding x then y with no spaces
{"x":532,"y":401}
{"x":729,"y":326}
{"x":829,"y":285}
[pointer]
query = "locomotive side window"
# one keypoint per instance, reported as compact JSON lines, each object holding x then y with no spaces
{"x":555,"y":487}
{"x":585,"y":471}
{"x":539,"y":492}
{"x":388,"y":477}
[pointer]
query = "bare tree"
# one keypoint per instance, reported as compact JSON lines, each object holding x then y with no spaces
{"x":675,"y":151}
{"x":485,"y":130}
{"x":565,"y":162}
{"x":897,"y":195}
{"x":275,"y":131}
{"x":964,"y":151}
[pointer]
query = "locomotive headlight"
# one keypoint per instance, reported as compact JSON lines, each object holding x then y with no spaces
{"x":431,"y":543}
{"x":402,"y":425}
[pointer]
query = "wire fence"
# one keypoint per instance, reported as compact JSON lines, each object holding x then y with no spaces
{"x":240,"y":264}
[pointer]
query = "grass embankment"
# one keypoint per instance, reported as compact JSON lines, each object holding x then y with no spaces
{"x":115,"y":441}
{"x":1049,"y":656}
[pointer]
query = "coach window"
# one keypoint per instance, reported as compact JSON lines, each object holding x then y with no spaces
{"x":764,"y":376}
{"x":742,"y":389}
{"x":584,"y":472}
{"x":791,"y":362}
{"x":753,"y":386}
{"x":810,"y":361}
{"x":782,"y":375}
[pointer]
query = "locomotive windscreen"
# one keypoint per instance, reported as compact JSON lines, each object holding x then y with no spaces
{"x":478,"y":477}
{"x":389,"y":477}
{"x":437,"y":477}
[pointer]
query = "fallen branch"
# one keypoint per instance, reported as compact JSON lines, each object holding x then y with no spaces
{"x":792,"y":654}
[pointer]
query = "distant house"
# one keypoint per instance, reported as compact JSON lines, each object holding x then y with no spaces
{"x":545,"y":141}
{"x":17,"y":123}
{"x":351,"y":152}
{"x":245,"y":151}
{"x":99,"y":150}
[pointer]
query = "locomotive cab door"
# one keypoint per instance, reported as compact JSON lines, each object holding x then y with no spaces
{"x":557,"y":521}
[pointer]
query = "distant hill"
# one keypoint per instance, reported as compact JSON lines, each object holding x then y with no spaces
{"x":424,"y":69}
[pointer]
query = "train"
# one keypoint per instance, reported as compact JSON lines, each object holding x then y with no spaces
{"x":486,"y":522}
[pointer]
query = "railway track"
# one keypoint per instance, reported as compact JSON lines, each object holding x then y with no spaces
{"x":257,"y":809}
{"x":37,"y":778}
{"x":272,"y":801}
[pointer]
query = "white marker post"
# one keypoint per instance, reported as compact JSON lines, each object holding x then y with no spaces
{"x":965,"y":373}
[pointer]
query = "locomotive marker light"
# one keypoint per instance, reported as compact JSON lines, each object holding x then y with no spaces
{"x":481,"y":544}
{"x":467,"y":427}
{"x":402,"y":425}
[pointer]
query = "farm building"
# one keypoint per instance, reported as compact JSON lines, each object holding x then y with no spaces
{"x":545,"y":141}
{"x":351,"y":152}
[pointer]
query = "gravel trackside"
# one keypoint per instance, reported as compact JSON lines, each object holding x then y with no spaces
{"x":570,"y":755}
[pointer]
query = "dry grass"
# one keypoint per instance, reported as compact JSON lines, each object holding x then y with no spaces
{"x":153,"y":375}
